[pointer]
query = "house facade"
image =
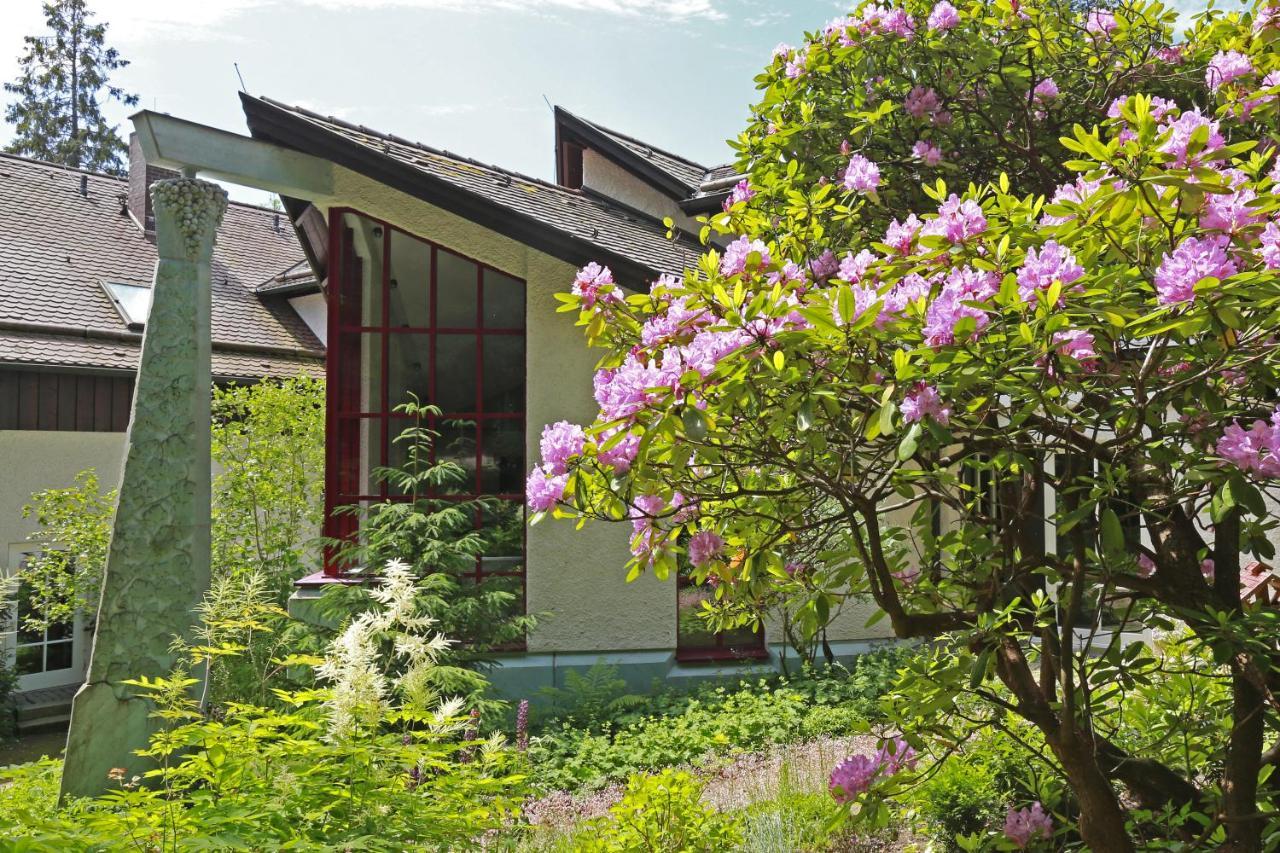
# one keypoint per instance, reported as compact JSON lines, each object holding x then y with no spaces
{"x":76,"y":267}
{"x":440,"y":275}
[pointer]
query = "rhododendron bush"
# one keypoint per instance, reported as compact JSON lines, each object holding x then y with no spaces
{"x":989,"y":335}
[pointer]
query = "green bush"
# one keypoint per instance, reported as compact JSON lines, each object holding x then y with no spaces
{"x":662,"y":814}
{"x":372,"y":760}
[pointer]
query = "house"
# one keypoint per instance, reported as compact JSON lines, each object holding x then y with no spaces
{"x":76,"y":265}
{"x":440,"y":274}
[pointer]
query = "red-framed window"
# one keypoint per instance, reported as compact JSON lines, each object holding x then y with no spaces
{"x":695,"y":641}
{"x":407,"y":315}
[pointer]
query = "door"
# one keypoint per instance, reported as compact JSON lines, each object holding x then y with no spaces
{"x":51,"y":657}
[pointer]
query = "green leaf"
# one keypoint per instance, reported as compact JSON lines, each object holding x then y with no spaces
{"x":695,"y":423}
{"x":1112,"y":533}
{"x":909,"y":443}
{"x":804,"y":416}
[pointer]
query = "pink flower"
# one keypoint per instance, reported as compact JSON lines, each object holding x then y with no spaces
{"x":1076,"y":192}
{"x":1230,"y":212}
{"x":737,"y":252}
{"x":782,"y":51}
{"x":543,"y":491}
{"x":1100,"y":22}
{"x":1172,"y":54}
{"x":1022,"y":826}
{"x":854,"y":267}
{"x":901,"y":235}
{"x":561,"y":441}
{"x":943,"y":17}
{"x":1040,"y":269}
{"x":593,"y":283}
{"x":742,"y":191}
{"x":908,"y":576}
{"x":1146,"y":566}
{"x":861,"y":175}
{"x":1194,"y":259}
{"x":796,"y":62}
{"x":920,"y":102}
{"x":963,"y":286}
{"x":1206,"y":569}
{"x":957,"y":220}
{"x":923,"y":401}
{"x":1226,"y":66}
{"x":1254,"y":451}
{"x":1045,"y":90}
{"x":1077,"y":344}
{"x":704,"y":546}
{"x":895,"y":755}
{"x":926,"y":152}
{"x":1269,"y":248}
{"x":1180,"y":131}
{"x":825,"y":265}
{"x":852,"y":777}
{"x":619,"y":456}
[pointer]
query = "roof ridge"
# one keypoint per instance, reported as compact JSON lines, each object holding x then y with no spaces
{"x":598,"y":126}
{"x":421,"y":146}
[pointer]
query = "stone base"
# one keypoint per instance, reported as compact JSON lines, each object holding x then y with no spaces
{"x":100,"y":722}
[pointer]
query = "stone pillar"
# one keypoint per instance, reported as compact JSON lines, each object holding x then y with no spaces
{"x":158,"y":562}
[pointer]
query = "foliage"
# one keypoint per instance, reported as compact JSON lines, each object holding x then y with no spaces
{"x":663,"y":813}
{"x":695,"y":728}
{"x":268,"y":439}
{"x":60,"y":89}
{"x":268,"y":496}
{"x":64,"y":578}
{"x":437,"y":531}
{"x":910,"y":397}
{"x":592,"y":698}
{"x":374,"y":759}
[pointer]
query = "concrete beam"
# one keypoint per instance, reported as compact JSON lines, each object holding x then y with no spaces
{"x":191,"y":148}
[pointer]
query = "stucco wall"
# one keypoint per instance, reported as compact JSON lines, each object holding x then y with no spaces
{"x":575,"y":578}
{"x":31,"y":461}
{"x":607,"y":178}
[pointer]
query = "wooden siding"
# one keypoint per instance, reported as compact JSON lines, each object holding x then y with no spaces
{"x":80,"y":402}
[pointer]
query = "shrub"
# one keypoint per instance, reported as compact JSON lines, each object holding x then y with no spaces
{"x":374,"y":759}
{"x":663,"y":814}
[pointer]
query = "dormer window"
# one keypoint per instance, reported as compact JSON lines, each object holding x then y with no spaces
{"x":133,"y":301}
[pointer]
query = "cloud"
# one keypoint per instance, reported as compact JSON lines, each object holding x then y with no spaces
{"x":136,"y":20}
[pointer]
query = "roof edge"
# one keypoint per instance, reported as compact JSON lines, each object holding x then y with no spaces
{"x":597,"y":137}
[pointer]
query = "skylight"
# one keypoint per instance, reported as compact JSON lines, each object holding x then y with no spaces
{"x":133,"y":301}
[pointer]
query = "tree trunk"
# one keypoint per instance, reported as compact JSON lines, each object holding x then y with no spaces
{"x":1240,"y":776}
{"x":1101,"y":819}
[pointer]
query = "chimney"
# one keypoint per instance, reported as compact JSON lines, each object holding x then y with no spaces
{"x":141,"y":177}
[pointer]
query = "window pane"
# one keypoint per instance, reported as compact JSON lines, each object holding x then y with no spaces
{"x":58,"y":656}
{"x":456,"y":302}
{"x":504,"y":373}
{"x":457,"y":444}
{"x":503,"y":301}
{"x":359,"y":451}
{"x":409,"y":288}
{"x":456,"y":373}
{"x":692,"y":631}
{"x":408,"y":359}
{"x":362,"y":273}
{"x":503,"y":457}
{"x":504,"y":524}
{"x":30,"y":660}
{"x":359,"y":362}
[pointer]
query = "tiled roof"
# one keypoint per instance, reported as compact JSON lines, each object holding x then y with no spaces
{"x":22,"y":348}
{"x":685,"y":171}
{"x":59,"y":246}
{"x":565,"y":223}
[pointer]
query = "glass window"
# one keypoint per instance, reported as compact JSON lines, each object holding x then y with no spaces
{"x":457,"y":300}
{"x":503,"y":301}
{"x":410,"y":319}
{"x":133,"y":301}
{"x":694,"y":638}
{"x":409,"y":283}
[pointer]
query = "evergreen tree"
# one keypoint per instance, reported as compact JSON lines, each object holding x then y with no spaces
{"x":58,"y":114}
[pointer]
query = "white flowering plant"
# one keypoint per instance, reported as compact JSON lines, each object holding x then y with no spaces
{"x":1023,"y":394}
{"x":372,"y":758}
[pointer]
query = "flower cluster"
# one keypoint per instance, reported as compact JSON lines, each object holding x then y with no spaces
{"x":1023,"y":826}
{"x":856,"y":774}
{"x":1255,"y":450}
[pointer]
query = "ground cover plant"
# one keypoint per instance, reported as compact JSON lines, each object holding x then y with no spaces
{"x":992,"y":340}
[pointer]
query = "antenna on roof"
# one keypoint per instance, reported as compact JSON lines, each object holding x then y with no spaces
{"x":243,"y":87}
{"x":548,"y":102}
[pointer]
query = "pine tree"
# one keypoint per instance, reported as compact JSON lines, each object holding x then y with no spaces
{"x":64,"y":76}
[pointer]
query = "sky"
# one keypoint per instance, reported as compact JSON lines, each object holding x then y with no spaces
{"x":470,"y":76}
